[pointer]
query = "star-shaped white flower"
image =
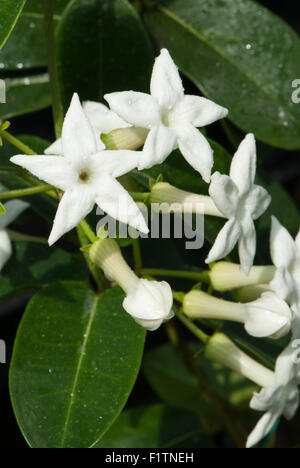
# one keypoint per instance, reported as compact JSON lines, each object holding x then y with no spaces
{"x":102,"y":120}
{"x":171,"y":117}
{"x":86,"y":175}
{"x":285,"y":254}
{"x":13,"y":209}
{"x":150,"y":303}
{"x":280,"y":399}
{"x":241,"y":201}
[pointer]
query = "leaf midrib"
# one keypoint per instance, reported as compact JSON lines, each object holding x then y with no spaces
{"x":72,"y":393}
{"x":195,"y":33}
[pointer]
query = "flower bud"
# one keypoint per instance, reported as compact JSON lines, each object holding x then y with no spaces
{"x":268,"y":316}
{"x":223,"y":351}
{"x":225,"y":276}
{"x":188,"y":202}
{"x":150,"y":303}
{"x":130,"y":138}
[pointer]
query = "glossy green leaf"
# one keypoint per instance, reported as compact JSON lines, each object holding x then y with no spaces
{"x":240,"y":55}
{"x":25,"y":95}
{"x":9,"y":14}
{"x":102,"y":47}
{"x":26,"y":47}
{"x":155,"y":426}
{"x":75,"y":361}
{"x":34,"y":265}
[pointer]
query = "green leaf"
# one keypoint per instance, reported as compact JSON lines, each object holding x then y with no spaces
{"x":102,"y":47}
{"x":240,"y":55}
{"x":155,"y":426}
{"x":75,"y":361}
{"x":26,"y":47}
{"x":34,"y":265}
{"x":25,"y":95}
{"x":176,"y":386}
{"x":9,"y":14}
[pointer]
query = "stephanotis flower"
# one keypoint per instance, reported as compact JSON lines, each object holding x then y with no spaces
{"x":267,"y":316}
{"x":285,"y":253}
{"x":282,"y":398}
{"x":148,"y":302}
{"x":171,"y":117}
{"x":86,"y":175}
{"x":102,"y":120}
{"x":241,"y":201}
{"x":13,"y":209}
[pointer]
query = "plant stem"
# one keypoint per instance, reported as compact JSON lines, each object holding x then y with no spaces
{"x":52,"y":67}
{"x":17,"y":236}
{"x":140,"y":196}
{"x":192,"y":327}
{"x":25,"y":192}
{"x":203,"y":276}
{"x":88,"y":231}
{"x":137,"y":255}
{"x":17,"y":143}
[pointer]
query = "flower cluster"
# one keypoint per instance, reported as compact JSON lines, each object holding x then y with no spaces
{"x":85,"y":168}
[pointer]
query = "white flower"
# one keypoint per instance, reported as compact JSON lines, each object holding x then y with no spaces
{"x":86,"y":175}
{"x":101,"y":119}
{"x":241,"y":201}
{"x":268,"y":316}
{"x":171,"y":117}
{"x":13,"y":209}
{"x":279,"y":399}
{"x":285,"y":253}
{"x":150,"y":303}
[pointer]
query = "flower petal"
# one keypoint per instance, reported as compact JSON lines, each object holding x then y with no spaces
{"x":160,"y":142}
{"x":166,"y":85}
{"x":138,"y":109}
{"x":262,"y":428}
{"x":243,"y":166}
{"x":78,"y":139}
{"x":102,"y":119}
{"x":55,"y":149}
{"x":197,"y":111}
{"x":196,"y":150}
{"x":225,"y":194}
{"x":283,"y":283}
{"x":247,"y":245}
{"x":5,"y":248}
{"x":268,"y":316}
{"x":225,"y":242}
{"x":283,"y":249}
{"x":257,"y":201}
{"x":13,"y":210}
{"x":116,"y":202}
{"x":54,"y":170}
{"x":118,"y":162}
{"x":74,"y":206}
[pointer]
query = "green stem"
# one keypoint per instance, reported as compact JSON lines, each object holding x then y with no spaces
{"x":140,"y":196}
{"x":52,"y":67}
{"x":88,"y":231}
{"x":203,"y":276}
{"x":17,"y":143}
{"x":25,"y":192}
{"x":137,"y":255}
{"x":17,"y":236}
{"x":192,"y":327}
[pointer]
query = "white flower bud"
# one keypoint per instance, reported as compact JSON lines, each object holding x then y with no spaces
{"x":268,"y":316}
{"x":225,"y":276}
{"x":150,"y":303}
{"x":130,"y":138}
{"x":223,"y":351}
